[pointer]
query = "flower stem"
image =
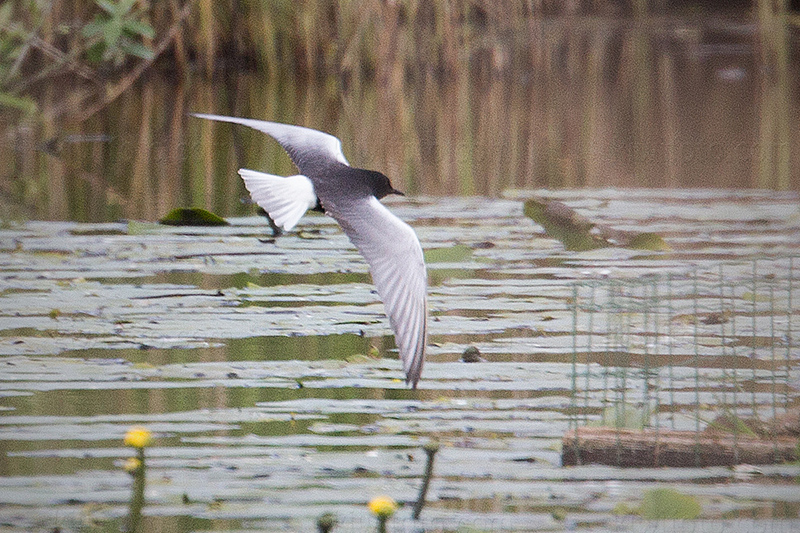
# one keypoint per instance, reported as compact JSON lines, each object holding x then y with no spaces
{"x":136,"y":505}
{"x":430,"y":450}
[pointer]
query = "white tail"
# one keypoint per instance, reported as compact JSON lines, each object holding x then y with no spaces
{"x":285,"y":199}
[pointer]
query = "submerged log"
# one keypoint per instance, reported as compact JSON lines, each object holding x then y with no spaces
{"x":651,"y":448}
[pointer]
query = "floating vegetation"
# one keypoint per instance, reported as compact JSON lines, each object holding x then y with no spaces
{"x":563,"y":223}
{"x":453,"y":254}
{"x":326,"y":522}
{"x":205,"y":335}
{"x":580,"y":234}
{"x":192,"y":216}
{"x":669,"y":504}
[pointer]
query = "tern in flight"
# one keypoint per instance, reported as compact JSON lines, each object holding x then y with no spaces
{"x":351,"y":196}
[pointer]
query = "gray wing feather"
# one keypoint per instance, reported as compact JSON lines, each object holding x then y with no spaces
{"x":302,"y":144}
{"x":397,"y":266}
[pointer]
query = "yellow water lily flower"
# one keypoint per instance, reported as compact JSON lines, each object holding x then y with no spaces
{"x":132,"y":465}
{"x":382,"y":506}
{"x":138,"y":437}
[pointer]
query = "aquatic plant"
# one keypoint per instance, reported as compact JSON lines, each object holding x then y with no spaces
{"x":192,"y":216}
{"x":326,"y":522}
{"x":139,"y":438}
{"x":430,"y":451}
{"x":383,"y":507}
{"x":669,"y":504}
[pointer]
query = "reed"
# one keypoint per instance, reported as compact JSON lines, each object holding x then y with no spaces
{"x":314,"y":38}
{"x":451,"y":98}
{"x":774,"y":149}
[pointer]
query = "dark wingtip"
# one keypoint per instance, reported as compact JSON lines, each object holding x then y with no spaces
{"x":413,"y":376}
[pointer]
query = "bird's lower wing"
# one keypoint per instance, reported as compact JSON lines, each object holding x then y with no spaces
{"x":304,"y":145}
{"x":285,"y":199}
{"x":397,"y":266}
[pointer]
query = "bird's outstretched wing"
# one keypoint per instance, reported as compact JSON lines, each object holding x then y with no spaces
{"x":304,"y":145}
{"x":397,"y":266}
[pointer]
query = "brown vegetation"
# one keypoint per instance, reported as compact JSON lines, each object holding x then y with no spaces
{"x":459,"y":97}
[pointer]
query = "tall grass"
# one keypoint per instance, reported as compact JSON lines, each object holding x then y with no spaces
{"x":315,"y":38}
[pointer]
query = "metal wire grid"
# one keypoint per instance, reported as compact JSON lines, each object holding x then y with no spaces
{"x":677,"y":350}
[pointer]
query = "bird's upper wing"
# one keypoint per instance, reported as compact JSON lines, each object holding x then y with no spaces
{"x":303,"y":145}
{"x":397,"y":266}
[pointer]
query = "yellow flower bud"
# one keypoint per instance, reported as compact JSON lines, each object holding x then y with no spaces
{"x":132,"y":465}
{"x":382,"y":506}
{"x":138,"y":437}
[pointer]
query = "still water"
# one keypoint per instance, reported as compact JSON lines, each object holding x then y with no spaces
{"x":586,"y":103}
{"x":268,"y":374}
{"x":265,"y":367}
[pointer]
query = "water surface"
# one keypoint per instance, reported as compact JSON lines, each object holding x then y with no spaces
{"x":275,"y":396}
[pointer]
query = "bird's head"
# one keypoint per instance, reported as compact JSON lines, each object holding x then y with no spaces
{"x":381,"y":186}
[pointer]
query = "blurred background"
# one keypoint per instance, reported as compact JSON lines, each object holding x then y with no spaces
{"x":460,"y":97}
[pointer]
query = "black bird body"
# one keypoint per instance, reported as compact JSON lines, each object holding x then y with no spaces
{"x":351,"y":196}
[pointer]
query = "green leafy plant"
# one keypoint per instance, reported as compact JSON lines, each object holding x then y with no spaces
{"x":117,"y":32}
{"x":12,"y":49}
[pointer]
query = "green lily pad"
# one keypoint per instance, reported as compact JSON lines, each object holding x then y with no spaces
{"x":750,"y":296}
{"x":669,"y":504}
{"x":648,"y":241}
{"x":192,"y":216}
{"x":451,"y":254}
{"x":136,"y":227}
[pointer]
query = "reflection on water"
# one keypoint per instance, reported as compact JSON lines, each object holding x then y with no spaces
{"x":567,"y":102}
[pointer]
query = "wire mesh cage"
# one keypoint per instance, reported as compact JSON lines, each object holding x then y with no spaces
{"x":687,"y":368}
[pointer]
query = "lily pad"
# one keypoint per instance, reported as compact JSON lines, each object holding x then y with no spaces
{"x":669,"y":504}
{"x":192,"y":216}
{"x":648,"y":241}
{"x":452,"y":254}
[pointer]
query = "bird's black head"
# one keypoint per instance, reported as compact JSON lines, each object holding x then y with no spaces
{"x":380,"y":184}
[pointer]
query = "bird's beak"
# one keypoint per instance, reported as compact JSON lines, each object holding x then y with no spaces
{"x":395,"y":191}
